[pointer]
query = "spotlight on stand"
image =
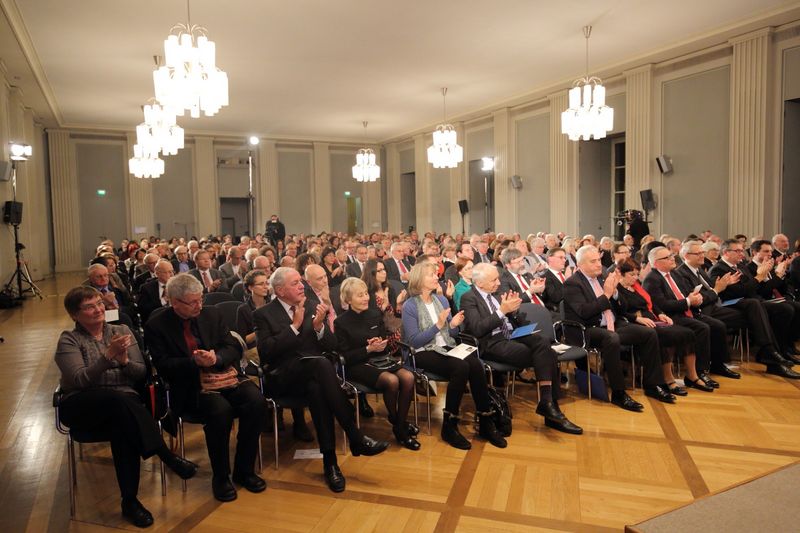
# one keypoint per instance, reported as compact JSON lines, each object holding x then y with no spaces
{"x":20,"y":152}
{"x":253,"y":140}
{"x":488,"y":163}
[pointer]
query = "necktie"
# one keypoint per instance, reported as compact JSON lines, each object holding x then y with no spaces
{"x":534,"y":298}
{"x":607,"y":314}
{"x":163,"y":291}
{"x":703,"y":280}
{"x":561,"y":277}
{"x":677,"y":292}
{"x":206,"y":280}
{"x":506,"y":327}
{"x":402,"y":267}
{"x":188,"y":336}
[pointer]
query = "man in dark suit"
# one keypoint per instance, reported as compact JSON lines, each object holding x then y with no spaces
{"x":146,"y":274}
{"x":113,"y":297}
{"x":397,"y":266}
{"x":181,"y":262}
{"x":356,"y":267}
{"x":589,"y":298}
{"x":191,"y":347}
{"x":772,"y":277}
{"x":153,"y":294}
{"x":555,"y":276}
{"x":491,"y":320}
{"x":234,"y":268}
{"x":531,"y":289}
{"x":211,"y":278}
{"x":682,"y":304}
{"x":292,"y":337}
{"x":780,"y":316}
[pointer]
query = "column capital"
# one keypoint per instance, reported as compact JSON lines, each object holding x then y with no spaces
{"x":752,"y":36}
{"x":644,"y":69}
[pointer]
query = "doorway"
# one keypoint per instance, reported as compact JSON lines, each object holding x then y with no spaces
{"x":354,"y":215}
{"x":790,"y":186}
{"x":408,"y":201}
{"x":235,"y":216}
{"x":481,"y":198}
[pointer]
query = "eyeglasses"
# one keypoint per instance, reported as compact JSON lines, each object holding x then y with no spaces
{"x":260,"y":284}
{"x":670,"y":256}
{"x":194,"y":303}
{"x":696,"y":253}
{"x":87,"y":307}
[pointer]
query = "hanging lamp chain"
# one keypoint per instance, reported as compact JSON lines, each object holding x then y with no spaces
{"x":587,"y":32}
{"x":444,"y":105}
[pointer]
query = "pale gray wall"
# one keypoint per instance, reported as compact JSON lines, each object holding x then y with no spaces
{"x":384,"y":193}
{"x":235,"y":208}
{"x":173,"y":202}
{"x":408,"y":202}
{"x":479,"y":143}
{"x":791,"y":73}
{"x":790,"y":188}
{"x":441,"y":201}
{"x":617,"y":103}
{"x":294,"y":174}
{"x":341,"y":181}
{"x":594,"y":185}
{"x":233,"y":181}
{"x":407,"y":161}
{"x":101,"y":166}
{"x":696,"y":114}
{"x":533,"y":166}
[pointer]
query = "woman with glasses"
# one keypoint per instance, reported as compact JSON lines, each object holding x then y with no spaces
{"x":256,"y":289}
{"x":464,"y":269}
{"x":101,"y":369}
{"x":382,"y":296}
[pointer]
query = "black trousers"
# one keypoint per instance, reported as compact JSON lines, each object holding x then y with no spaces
{"x":525,"y":352}
{"x":748,"y":313}
{"x":645,"y":343}
{"x":720,"y":353}
{"x":315,"y":378}
{"x":458,"y":371}
{"x":702,"y":335}
{"x":784,"y":320}
{"x":123,"y":417}
{"x":217,"y":410}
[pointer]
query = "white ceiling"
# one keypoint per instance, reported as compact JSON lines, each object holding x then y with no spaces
{"x":314,"y":69}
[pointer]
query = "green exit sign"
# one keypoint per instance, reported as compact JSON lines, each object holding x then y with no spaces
{"x":101,"y":192}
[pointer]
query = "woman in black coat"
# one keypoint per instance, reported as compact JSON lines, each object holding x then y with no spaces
{"x":365,"y":345}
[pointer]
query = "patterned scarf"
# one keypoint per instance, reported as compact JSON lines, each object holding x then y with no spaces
{"x":425,"y":322}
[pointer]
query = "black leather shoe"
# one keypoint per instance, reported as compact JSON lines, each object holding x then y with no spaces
{"x":791,"y":357}
{"x":488,"y":430}
{"x":725,"y":372}
{"x":135,"y":513}
{"x":302,"y":433}
{"x":364,"y":408}
{"x":411,"y":429}
{"x":659,"y":393}
{"x":555,"y":419}
{"x":780,"y":370}
{"x":708,"y":381}
{"x":223,"y":489}
{"x":185,"y":469}
{"x":406,"y":440}
{"x":677,"y":390}
{"x":698,"y":384}
{"x":621,"y":399}
{"x":251,"y":482}
{"x":451,"y":435}
{"x":334,"y":478}
{"x":368,"y":446}
{"x":772,"y":357}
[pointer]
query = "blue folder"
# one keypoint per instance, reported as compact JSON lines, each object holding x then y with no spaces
{"x":730,"y":302}
{"x":523,"y":331}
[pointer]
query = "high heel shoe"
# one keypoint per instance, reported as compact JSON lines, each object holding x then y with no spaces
{"x":407,"y":441}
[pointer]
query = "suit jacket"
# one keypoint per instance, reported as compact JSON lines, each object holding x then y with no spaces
{"x":353,"y":270}
{"x":581,"y":305}
{"x":335,"y":295}
{"x":392,"y":272}
{"x":508,"y":282}
{"x":164,"y":333}
{"x":215,"y":275}
{"x":767,"y":289}
{"x":177,"y":266}
{"x":746,"y":288}
{"x":227,"y":270}
{"x":149,"y":299}
{"x":710,"y":298}
{"x":663,"y":297}
{"x":480,"y":321}
{"x":278,"y":347}
{"x":140,"y":280}
{"x":553,"y":291}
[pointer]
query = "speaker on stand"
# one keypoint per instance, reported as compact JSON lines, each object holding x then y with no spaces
{"x":463,"y":206}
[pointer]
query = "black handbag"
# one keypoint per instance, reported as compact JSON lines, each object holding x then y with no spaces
{"x":385,"y":362}
{"x":502,"y":411}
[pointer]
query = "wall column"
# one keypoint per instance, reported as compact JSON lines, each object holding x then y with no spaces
{"x":371,"y":197}
{"x":748,"y":132}
{"x":268,"y":185}
{"x":638,"y":158}
{"x":141,"y":218}
{"x":458,"y":183}
{"x":392,"y":174}
{"x":563,"y":171}
{"x":64,"y":191}
{"x":422,"y":179}
{"x":321,"y":211}
{"x":505,"y":196}
{"x":206,"y":195}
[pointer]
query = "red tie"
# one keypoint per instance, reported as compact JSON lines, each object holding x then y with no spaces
{"x":535,"y":299}
{"x":677,"y":292}
{"x":561,"y":277}
{"x":331,"y":317}
{"x":206,"y":280}
{"x":188,"y":336}
{"x":402,"y":267}
{"x":608,"y":314}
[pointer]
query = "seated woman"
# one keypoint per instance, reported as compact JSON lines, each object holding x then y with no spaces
{"x":101,"y":366}
{"x":381,"y":295}
{"x":429,"y":328}
{"x":464,"y":269}
{"x":364,"y":342}
{"x":256,"y":290}
{"x":333,"y":268}
{"x":675,"y":341}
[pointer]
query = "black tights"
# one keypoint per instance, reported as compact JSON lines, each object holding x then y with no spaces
{"x":398,"y":390}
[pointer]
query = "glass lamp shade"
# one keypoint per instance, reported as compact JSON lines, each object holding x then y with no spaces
{"x":365,"y":168}
{"x":588,"y":115}
{"x":445,"y":151}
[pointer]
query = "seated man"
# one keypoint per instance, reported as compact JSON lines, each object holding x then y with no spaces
{"x":199,"y":357}
{"x":146,"y":273}
{"x":556,"y":274}
{"x":153,"y":294}
{"x":234,"y":268}
{"x":291,"y":341}
{"x":114,"y":298}
{"x":211,"y":278}
{"x":589,"y":298}
{"x":531,"y":289}
{"x":181,"y":263}
{"x":355,"y":268}
{"x":491,"y":320}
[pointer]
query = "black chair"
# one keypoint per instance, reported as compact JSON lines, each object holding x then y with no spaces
{"x":237,"y":291}
{"x":421,"y":376}
{"x":228,"y":310}
{"x":213,"y":298}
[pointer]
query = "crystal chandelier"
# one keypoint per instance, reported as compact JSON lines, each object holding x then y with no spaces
{"x":159,"y":132}
{"x":365,"y":168}
{"x":445,"y":151}
{"x":588,"y":115}
{"x":190,"y":80}
{"x":145,"y":163}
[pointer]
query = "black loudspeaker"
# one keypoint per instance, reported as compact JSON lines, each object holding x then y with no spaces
{"x":463,"y":206}
{"x":648,"y":202}
{"x":12,"y":213}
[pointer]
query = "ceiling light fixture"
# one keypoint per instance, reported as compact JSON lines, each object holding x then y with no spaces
{"x":365,"y":168}
{"x":190,"y":80}
{"x":159,"y":131}
{"x":145,"y":162}
{"x":445,"y":151}
{"x":253,"y":140}
{"x":588,"y":115}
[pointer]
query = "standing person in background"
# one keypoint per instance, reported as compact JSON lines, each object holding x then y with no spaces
{"x":275,"y":230}
{"x":637,"y":227}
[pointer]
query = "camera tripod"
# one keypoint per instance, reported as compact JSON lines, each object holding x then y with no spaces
{"x":21,"y":275}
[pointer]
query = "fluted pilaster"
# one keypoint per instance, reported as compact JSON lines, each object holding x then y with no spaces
{"x":392,"y":174}
{"x":321,"y":213}
{"x":638,"y":157}
{"x":458,"y":184}
{"x":748,"y":132}
{"x":505,"y":201}
{"x":371,"y":196}
{"x":422,"y":183}
{"x":563,"y":171}
{"x":206,"y":195}
{"x":268,"y":201}
{"x":140,"y":200}
{"x":65,"y":205}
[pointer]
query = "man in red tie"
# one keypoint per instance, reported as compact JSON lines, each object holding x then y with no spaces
{"x":211,"y":278}
{"x":556,"y":274}
{"x":531,"y":288}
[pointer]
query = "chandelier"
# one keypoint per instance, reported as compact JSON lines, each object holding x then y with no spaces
{"x":190,"y":80}
{"x":159,"y":132}
{"x":588,"y":115}
{"x":145,"y":163}
{"x":445,"y":151}
{"x":365,"y":168}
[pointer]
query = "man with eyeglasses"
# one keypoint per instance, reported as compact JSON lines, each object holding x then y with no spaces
{"x":780,"y":319}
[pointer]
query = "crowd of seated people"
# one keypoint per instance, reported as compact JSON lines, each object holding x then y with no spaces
{"x":391,"y":305}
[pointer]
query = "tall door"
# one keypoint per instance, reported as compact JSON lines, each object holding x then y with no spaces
{"x":790,"y":188}
{"x":408,"y":201}
{"x":481,"y":198}
{"x":354,"y":222}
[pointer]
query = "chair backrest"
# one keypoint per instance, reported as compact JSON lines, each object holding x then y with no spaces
{"x":228,"y":310}
{"x":237,"y":291}
{"x":398,"y":286}
{"x":541,"y":315}
{"x":213,"y":298}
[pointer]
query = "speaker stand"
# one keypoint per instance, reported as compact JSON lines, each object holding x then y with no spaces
{"x":21,"y":275}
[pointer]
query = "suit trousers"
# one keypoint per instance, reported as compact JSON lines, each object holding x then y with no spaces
{"x":217,"y":410}
{"x":783,"y":317}
{"x":702,"y":337}
{"x":123,"y":417}
{"x":316,"y":379}
{"x":718,"y":331}
{"x":646,"y":347}
{"x":525,"y":352}
{"x":458,"y":372}
{"x":753,"y":317}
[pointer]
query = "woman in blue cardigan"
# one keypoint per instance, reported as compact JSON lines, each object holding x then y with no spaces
{"x":430,"y":330}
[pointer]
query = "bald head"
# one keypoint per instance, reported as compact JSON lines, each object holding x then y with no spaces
{"x":316,"y":277}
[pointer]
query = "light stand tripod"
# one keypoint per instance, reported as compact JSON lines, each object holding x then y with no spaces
{"x":21,"y":274}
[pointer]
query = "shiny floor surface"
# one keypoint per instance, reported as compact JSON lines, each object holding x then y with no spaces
{"x":625,"y":468}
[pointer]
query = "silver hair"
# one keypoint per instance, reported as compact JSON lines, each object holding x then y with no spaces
{"x":96,"y":266}
{"x":395,"y":246}
{"x":710,"y":245}
{"x":686,"y":246}
{"x":481,"y":270}
{"x":509,"y":254}
{"x":583,"y":250}
{"x":251,"y":254}
{"x":181,"y":250}
{"x":257,"y":261}
{"x":651,"y":256}
{"x":606,"y":239}
{"x":183,"y":284}
{"x":278,"y":278}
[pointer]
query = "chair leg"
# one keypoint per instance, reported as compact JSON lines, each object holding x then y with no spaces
{"x":428,"y":401}
{"x":275,"y":431}
{"x":358,"y":412}
{"x":162,"y":468}
{"x":72,"y":475}
{"x":181,"y":447}
{"x":416,"y":408}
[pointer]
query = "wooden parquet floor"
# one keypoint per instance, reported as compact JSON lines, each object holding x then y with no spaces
{"x":625,"y":468}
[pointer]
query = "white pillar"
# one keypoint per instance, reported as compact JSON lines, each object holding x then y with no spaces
{"x":505,"y":196}
{"x":563,"y":171}
{"x":392,"y":173}
{"x":65,"y":205}
{"x":422,"y":183}
{"x":638,"y":156}
{"x":268,"y":184}
{"x":205,"y":183}
{"x":321,"y":210}
{"x":140,"y":199}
